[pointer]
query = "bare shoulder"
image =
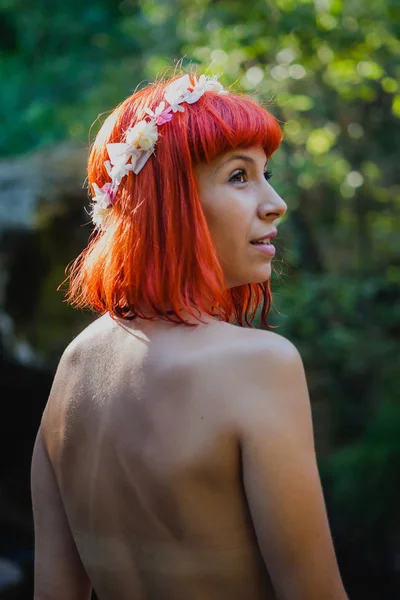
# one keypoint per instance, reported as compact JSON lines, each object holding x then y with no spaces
{"x":73,"y":370}
{"x":280,"y":474}
{"x":278,"y":347}
{"x":274,"y":362}
{"x":92,"y":336}
{"x":266,"y":375}
{"x":255,"y":353}
{"x":86,"y":352}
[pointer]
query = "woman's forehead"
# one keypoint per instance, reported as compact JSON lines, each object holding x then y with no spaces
{"x":254,"y":154}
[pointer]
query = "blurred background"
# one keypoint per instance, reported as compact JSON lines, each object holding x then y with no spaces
{"x":329,"y":70}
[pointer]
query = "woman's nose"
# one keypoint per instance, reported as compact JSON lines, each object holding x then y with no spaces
{"x":273,"y":205}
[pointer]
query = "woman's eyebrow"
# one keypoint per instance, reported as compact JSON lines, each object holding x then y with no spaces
{"x":237,"y":157}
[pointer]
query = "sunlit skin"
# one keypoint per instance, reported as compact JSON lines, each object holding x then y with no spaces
{"x":240,"y":205}
{"x":175,"y":463}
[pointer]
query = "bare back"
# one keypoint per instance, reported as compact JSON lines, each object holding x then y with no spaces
{"x":143,"y":439}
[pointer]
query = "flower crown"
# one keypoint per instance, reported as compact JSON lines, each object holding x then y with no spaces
{"x":141,"y":139}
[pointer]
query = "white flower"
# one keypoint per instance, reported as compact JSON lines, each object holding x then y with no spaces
{"x":133,"y":154}
{"x":118,"y":153}
{"x":177,"y":92}
{"x":143,"y":135}
{"x":102,"y":196}
{"x":98,"y":214}
{"x":119,"y":171}
{"x":117,"y":167}
{"x":213,"y":85}
{"x":177,"y":108}
{"x":157,"y":112}
{"x":178,"y":87}
{"x":101,"y":204}
{"x":200,"y":86}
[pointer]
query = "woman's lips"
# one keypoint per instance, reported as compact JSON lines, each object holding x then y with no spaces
{"x":268,"y":249}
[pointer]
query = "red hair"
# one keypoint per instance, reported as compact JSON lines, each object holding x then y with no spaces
{"x":156,"y":250}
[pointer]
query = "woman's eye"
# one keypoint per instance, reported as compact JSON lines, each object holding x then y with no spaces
{"x":238,"y":176}
{"x":241,"y":176}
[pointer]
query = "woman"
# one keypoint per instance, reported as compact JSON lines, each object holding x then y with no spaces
{"x":175,"y":456}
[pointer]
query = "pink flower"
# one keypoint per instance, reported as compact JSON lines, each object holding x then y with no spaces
{"x":110,"y":191}
{"x":104,"y":196}
{"x":141,"y":139}
{"x":164,"y":117}
{"x":161,"y":114}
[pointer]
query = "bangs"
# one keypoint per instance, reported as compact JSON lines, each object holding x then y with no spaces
{"x":225,"y":122}
{"x":156,"y":252}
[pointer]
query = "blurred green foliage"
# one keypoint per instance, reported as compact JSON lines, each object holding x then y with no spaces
{"x":329,"y":69}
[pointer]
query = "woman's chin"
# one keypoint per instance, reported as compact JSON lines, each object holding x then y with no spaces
{"x":253,"y":278}
{"x":264,"y":274}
